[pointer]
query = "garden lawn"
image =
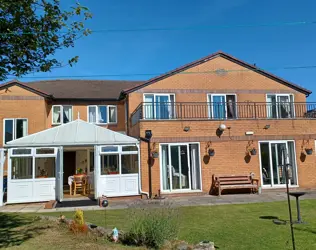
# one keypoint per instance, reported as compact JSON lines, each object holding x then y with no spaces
{"x":232,"y":226}
{"x":20,"y":231}
{"x":246,"y":226}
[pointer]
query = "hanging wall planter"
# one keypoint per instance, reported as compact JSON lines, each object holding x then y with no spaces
{"x":211,"y":152}
{"x":253,"y":151}
{"x":309,"y":151}
{"x":155,"y":155}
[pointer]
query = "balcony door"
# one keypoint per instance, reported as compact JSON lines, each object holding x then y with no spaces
{"x":280,"y":106}
{"x":273,"y":156}
{"x":159,"y":106}
{"x":222,"y":106}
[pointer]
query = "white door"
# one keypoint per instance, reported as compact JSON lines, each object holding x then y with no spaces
{"x":180,"y":167}
{"x":2,"y":159}
{"x":96,"y":171}
{"x":59,"y":174}
{"x":273,"y":156}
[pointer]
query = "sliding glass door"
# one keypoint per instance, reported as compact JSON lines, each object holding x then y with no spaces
{"x":222,"y":106}
{"x":180,"y":168}
{"x":159,"y":106}
{"x":280,"y":106}
{"x":274,"y":156}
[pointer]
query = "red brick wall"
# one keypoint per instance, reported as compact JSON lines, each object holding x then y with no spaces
{"x":30,"y":106}
{"x":16,"y":102}
{"x":81,"y":107}
{"x":230,"y":148}
{"x":248,"y":85}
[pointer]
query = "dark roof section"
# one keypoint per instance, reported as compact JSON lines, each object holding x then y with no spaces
{"x":79,"y":89}
{"x":228,"y":57}
{"x":25,"y":86}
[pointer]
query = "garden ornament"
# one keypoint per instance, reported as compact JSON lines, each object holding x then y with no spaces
{"x":115,"y":234}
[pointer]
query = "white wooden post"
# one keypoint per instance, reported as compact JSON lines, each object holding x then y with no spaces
{"x":2,"y":160}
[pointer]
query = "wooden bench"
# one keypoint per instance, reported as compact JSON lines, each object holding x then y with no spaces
{"x":221,"y":182}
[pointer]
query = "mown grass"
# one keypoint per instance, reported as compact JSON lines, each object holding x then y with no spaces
{"x":246,"y":226}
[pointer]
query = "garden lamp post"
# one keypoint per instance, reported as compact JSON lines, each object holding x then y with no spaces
{"x":286,"y":167}
{"x":104,"y":203}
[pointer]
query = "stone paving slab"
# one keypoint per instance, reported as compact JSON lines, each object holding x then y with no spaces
{"x":200,"y":200}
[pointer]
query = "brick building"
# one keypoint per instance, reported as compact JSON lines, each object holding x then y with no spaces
{"x":217,"y":115}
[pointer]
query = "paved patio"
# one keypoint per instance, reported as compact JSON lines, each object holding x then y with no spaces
{"x":200,"y":200}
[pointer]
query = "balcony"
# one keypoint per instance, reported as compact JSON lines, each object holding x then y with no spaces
{"x":222,"y":111}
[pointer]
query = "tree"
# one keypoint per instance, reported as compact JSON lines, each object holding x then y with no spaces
{"x":31,"y":31}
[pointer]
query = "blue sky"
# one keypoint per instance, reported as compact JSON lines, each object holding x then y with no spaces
{"x":158,"y":52}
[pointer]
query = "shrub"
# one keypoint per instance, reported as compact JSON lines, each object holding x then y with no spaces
{"x":78,"y":225}
{"x":151,"y":224}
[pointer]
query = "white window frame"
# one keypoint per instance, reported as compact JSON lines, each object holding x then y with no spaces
{"x":267,"y":186}
{"x":112,"y":106}
{"x":187,"y":190}
{"x":120,"y":152}
{"x":14,"y":127}
{"x":209,"y":98}
{"x":107,"y":114}
{"x":61,"y":114}
{"x":161,"y":94}
{"x":277,"y":110}
{"x":32,"y":155}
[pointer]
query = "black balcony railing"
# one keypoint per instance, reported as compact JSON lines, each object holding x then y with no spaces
{"x":223,"y":111}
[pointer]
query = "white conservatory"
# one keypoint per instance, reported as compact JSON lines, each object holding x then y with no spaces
{"x":40,"y":165}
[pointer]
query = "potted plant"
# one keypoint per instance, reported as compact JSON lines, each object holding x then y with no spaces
{"x":42,"y":173}
{"x":155,"y":154}
{"x":253,"y":151}
{"x":211,"y":152}
{"x":79,"y":171}
{"x":309,"y":151}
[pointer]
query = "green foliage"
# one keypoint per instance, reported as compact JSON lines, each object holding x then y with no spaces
{"x":78,"y":218}
{"x":31,"y":32}
{"x":78,"y":225}
{"x":151,"y":225}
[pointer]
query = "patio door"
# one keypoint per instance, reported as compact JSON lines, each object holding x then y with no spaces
{"x":59,"y":175}
{"x":274,"y":157}
{"x":180,"y":168}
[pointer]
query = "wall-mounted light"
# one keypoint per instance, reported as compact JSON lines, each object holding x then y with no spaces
{"x":249,"y":133}
{"x":222,"y":127}
{"x":186,"y":129}
{"x":148,"y":134}
{"x":266,"y":126}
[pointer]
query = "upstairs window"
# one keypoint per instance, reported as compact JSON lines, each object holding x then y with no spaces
{"x":61,"y":114}
{"x":102,"y":114}
{"x":222,"y":106}
{"x":14,"y":129}
{"x":159,"y":106}
{"x":280,"y":106}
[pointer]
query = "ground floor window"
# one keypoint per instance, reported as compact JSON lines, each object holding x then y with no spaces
{"x":110,"y":164}
{"x":45,"y":167}
{"x":180,"y":167}
{"x":22,"y":168}
{"x":274,"y":157}
{"x":117,"y":160}
{"x":31,"y":163}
